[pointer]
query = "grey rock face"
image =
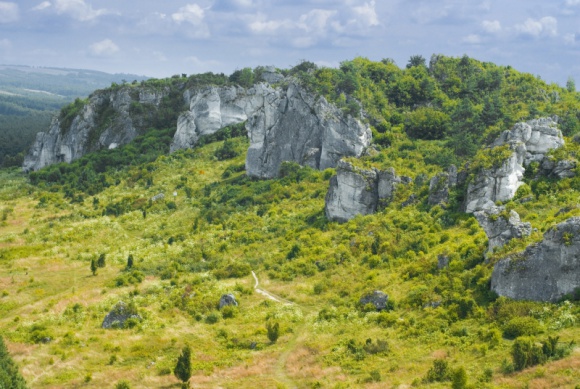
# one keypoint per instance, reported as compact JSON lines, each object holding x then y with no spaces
{"x":500,"y":230}
{"x":105,"y":122}
{"x":558,"y":169}
{"x":529,"y":141}
{"x":288,"y":124}
{"x":545,"y":271}
{"x":377,"y":298}
{"x":354,"y":191}
{"x":439,"y":186}
{"x":295,"y":125}
{"x":227,"y":299}
{"x":118,"y":316}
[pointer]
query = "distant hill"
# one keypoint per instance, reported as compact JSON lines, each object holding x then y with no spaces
{"x":30,"y":96}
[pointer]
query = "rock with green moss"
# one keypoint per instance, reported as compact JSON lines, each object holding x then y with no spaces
{"x":501,"y":226}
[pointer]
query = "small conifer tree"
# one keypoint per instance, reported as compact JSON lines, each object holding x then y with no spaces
{"x":130,"y":261}
{"x":101,"y":260}
{"x":93,"y":267}
{"x":273,"y":331}
{"x":183,"y":367}
{"x":9,"y":375}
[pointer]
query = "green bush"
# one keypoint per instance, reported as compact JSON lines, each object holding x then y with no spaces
{"x":521,"y":326}
{"x":439,"y":372}
{"x":9,"y":375}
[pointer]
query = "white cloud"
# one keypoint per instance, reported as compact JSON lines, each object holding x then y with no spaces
{"x":472,"y":39}
{"x":195,"y":15}
{"x":9,"y":12}
{"x":572,"y":2}
{"x":191,"y":13}
{"x":491,"y":26}
{"x":546,"y":26}
{"x":316,"y":21}
{"x":104,"y":48}
{"x":42,"y":6}
{"x":78,"y":9}
{"x":367,"y":14}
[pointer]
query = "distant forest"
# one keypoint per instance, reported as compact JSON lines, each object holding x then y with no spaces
{"x":30,"y":97}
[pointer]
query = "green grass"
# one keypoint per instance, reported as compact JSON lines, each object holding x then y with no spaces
{"x":184,"y":246}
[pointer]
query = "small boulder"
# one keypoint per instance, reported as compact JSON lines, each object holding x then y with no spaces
{"x":120,"y":313}
{"x":376,"y":298}
{"x":442,"y":261}
{"x":501,"y":227}
{"x":228,"y":299}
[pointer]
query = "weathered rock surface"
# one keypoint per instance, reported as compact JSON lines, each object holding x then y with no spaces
{"x":545,"y":271}
{"x":499,"y":229}
{"x":288,"y":124}
{"x":558,"y":169}
{"x":377,"y":298}
{"x":295,"y":125}
{"x":439,"y":186}
{"x":355,"y":191}
{"x":105,"y":122}
{"x":227,"y":299}
{"x":529,"y":141}
{"x":119,"y":315}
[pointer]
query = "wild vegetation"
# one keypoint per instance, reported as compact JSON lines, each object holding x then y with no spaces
{"x":172,"y":257}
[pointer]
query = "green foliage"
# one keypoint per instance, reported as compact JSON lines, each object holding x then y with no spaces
{"x":101,"y":260}
{"x":227,"y":150}
{"x":94,"y":267}
{"x":439,"y":372}
{"x":426,"y":123}
{"x":122,"y":385}
{"x":521,"y":326}
{"x":9,"y":375}
{"x":68,"y":113}
{"x":459,"y":379}
{"x":273,"y":331}
{"x":183,"y":366}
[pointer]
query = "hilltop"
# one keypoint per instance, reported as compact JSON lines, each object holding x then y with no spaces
{"x":399,"y":291}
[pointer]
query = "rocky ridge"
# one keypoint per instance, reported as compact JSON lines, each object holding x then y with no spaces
{"x":105,"y":122}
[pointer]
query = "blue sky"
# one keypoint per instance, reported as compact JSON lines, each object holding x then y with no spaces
{"x":162,"y":38}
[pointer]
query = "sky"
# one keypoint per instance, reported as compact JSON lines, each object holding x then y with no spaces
{"x":163,"y":38}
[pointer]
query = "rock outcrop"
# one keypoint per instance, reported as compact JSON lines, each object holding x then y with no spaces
{"x":558,"y":169}
{"x":439,"y":186}
{"x":119,"y":315}
{"x":501,"y":227}
{"x":529,"y":142}
{"x":295,"y":125}
{"x":355,"y":191}
{"x":288,"y":124}
{"x":377,"y":298}
{"x":545,"y":271}
{"x":227,"y":299}
{"x":105,"y":122}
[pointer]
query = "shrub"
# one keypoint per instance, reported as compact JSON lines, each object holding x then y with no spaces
{"x":273,"y":331}
{"x":9,"y":375}
{"x":122,"y":385}
{"x":526,"y":352}
{"x":521,"y":326}
{"x":183,"y":366}
{"x":439,"y":372}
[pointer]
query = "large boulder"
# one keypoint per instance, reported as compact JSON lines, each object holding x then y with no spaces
{"x":377,"y":298}
{"x":440,"y":185}
{"x":227,"y":299}
{"x":529,"y":142}
{"x":119,"y":315}
{"x":545,"y":271}
{"x":356,"y":191}
{"x":501,"y":227}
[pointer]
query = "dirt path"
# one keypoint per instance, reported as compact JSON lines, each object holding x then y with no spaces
{"x":280,"y":367}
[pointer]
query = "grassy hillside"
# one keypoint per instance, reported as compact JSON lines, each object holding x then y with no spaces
{"x":215,"y":226}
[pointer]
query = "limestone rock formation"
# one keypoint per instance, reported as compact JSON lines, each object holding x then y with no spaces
{"x":439,"y":186}
{"x":355,"y":191}
{"x":284,"y":124}
{"x":545,"y":271}
{"x":105,"y":122}
{"x":117,"y":317}
{"x":529,"y":142}
{"x":499,"y":229}
{"x":296,"y":125}
{"x":558,"y":169}
{"x":377,"y":298}
{"x":227,"y":299}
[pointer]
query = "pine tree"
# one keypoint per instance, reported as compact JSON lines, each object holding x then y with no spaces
{"x":9,"y":375}
{"x":101,"y":260}
{"x":273,"y":331}
{"x":130,"y":261}
{"x":93,"y":267}
{"x":183,"y":367}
